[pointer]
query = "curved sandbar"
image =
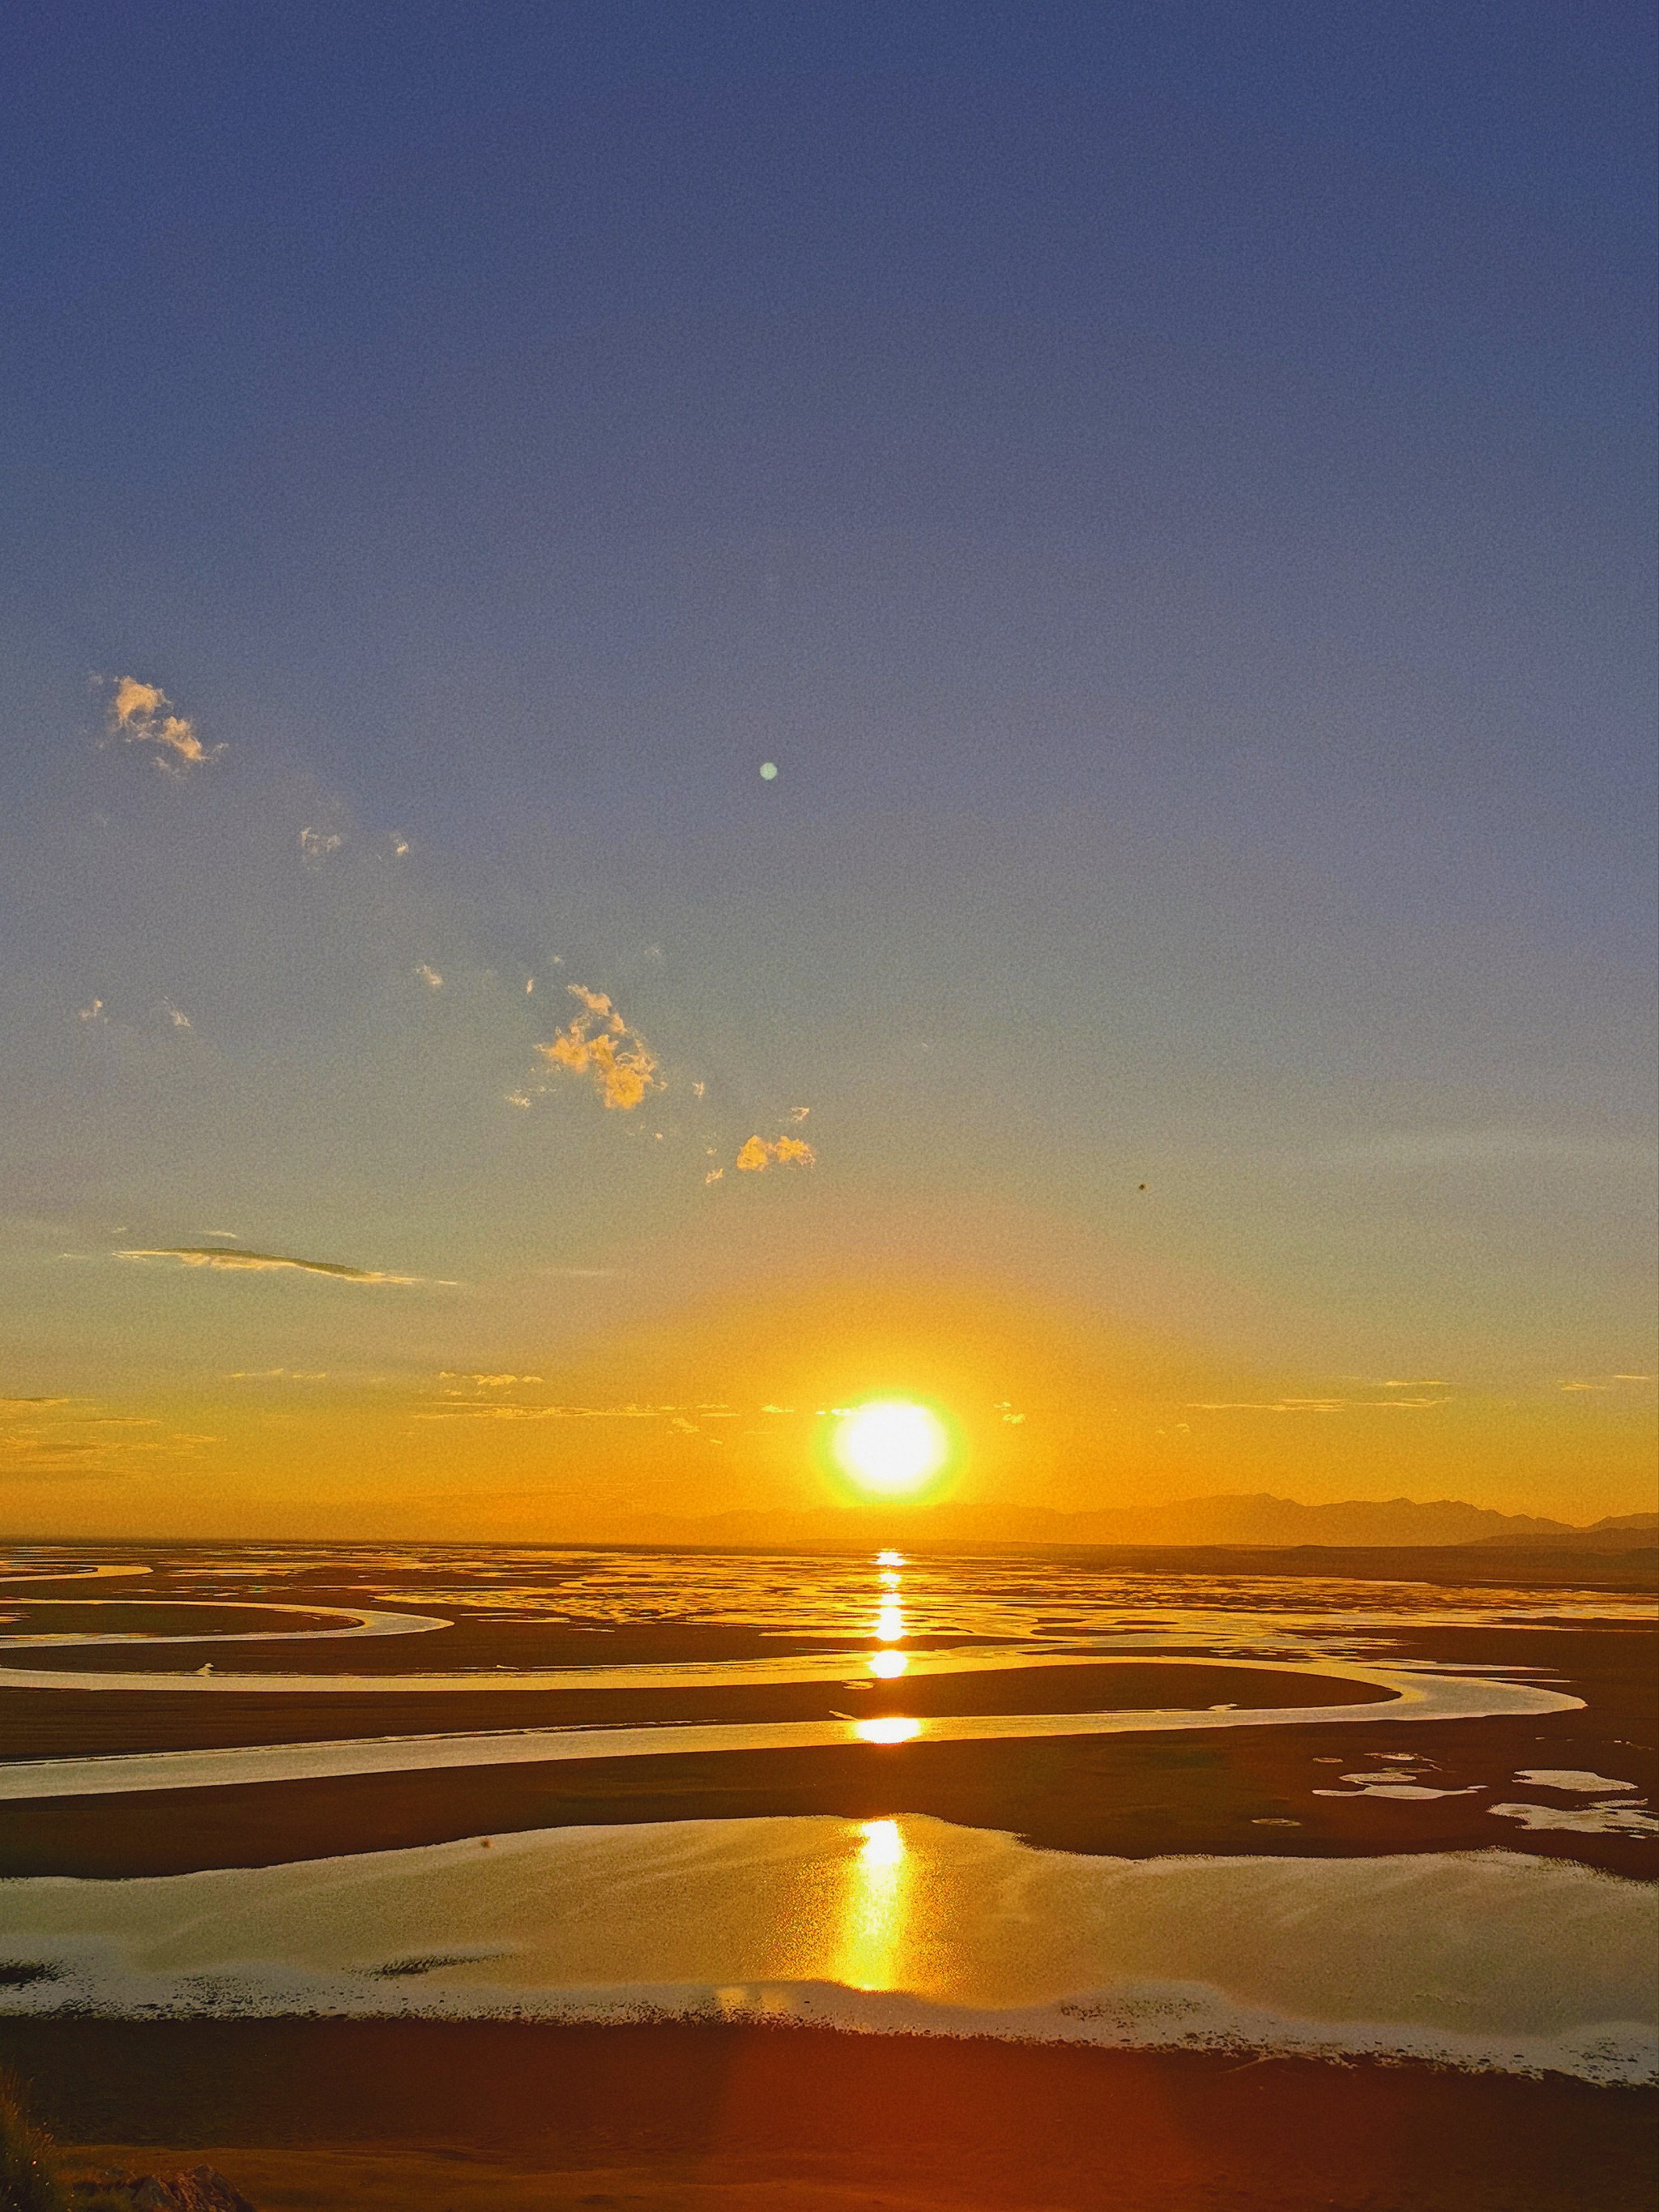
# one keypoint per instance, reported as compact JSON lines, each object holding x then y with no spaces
{"x":106,"y":1573}
{"x":358,"y":1620}
{"x":1410,"y":1696}
{"x":632,"y":1674}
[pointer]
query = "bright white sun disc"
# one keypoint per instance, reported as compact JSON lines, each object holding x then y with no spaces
{"x":891,"y":1448}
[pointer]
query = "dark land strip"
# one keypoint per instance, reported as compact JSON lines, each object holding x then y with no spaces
{"x":700,"y":2115}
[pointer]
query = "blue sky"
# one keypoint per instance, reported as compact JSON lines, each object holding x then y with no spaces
{"x":1169,"y":487}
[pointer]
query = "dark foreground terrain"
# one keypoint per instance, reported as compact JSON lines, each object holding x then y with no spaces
{"x":402,"y":2116}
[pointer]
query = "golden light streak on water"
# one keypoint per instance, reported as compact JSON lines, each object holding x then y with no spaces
{"x":887,"y":1666}
{"x":876,"y":1907}
{"x":891,"y":1728}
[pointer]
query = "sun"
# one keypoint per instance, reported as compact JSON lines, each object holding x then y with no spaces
{"x":891,"y":1447}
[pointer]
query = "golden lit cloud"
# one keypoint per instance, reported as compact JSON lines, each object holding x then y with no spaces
{"x":762,"y":1152}
{"x":260,"y":1263}
{"x":600,"y":1045}
{"x":142,"y":715}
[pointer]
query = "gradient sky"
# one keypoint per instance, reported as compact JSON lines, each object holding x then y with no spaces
{"x":1169,"y":487}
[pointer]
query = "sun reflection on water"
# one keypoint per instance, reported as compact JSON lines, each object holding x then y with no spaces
{"x":872,"y":1921}
{"x":890,"y":1727}
{"x":887,"y":1666}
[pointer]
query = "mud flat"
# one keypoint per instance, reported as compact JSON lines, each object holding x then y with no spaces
{"x":385,"y":2116}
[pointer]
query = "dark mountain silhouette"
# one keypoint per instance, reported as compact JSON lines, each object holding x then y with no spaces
{"x":1253,"y":1519}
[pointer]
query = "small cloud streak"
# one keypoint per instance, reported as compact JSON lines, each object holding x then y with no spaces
{"x":50,"y":1440}
{"x":265,"y":1263}
{"x":277,"y":1375}
{"x":600,"y":1045}
{"x":430,"y":977}
{"x":762,"y":1153}
{"x":316,"y":845}
{"x":141,"y":714}
{"x":1310,"y":1405}
{"x":484,"y":1381}
{"x":476,"y":1409}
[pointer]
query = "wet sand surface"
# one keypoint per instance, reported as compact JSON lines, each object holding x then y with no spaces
{"x":132,"y":1617}
{"x":66,"y":1723}
{"x":1254,"y":1791}
{"x":383,"y":2114}
{"x":402,"y":2113}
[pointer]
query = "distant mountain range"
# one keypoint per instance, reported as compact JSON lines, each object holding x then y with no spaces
{"x":1260,"y":1520}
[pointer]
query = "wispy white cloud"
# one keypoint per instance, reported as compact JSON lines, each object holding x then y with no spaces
{"x":317,"y":845}
{"x":277,"y":1375}
{"x":142,"y":713}
{"x":1491,"y":1147}
{"x":430,"y":977}
{"x":1311,"y":1405}
{"x":222,"y":1260}
{"x":483,"y":1381}
{"x":50,"y":1440}
{"x":485,"y":1409}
